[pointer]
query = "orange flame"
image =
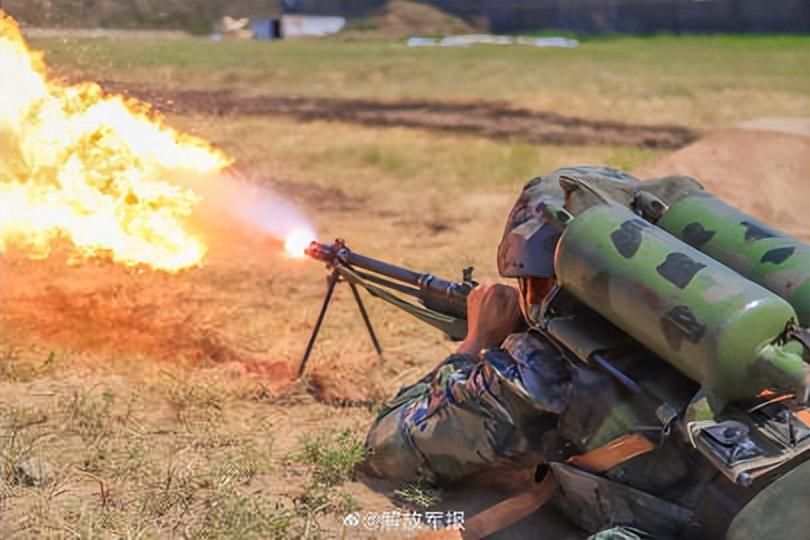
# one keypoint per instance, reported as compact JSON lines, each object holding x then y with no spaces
{"x":95,"y":169}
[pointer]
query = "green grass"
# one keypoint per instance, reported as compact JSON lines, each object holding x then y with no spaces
{"x":701,"y":81}
{"x":108,"y":476}
{"x":238,"y":516}
{"x":334,"y":456}
{"x":393,"y":164}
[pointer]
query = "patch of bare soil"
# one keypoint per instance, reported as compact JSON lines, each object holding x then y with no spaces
{"x":485,"y":119}
{"x":762,"y":167}
{"x":112,"y":311}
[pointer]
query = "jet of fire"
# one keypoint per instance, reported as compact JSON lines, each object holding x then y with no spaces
{"x":92,"y":168}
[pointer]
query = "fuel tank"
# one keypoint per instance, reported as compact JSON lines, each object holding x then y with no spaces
{"x":778,"y":262}
{"x":705,"y":319}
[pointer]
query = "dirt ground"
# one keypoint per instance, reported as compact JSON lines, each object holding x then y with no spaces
{"x":199,"y":366}
{"x":485,"y":119}
{"x":105,"y":322}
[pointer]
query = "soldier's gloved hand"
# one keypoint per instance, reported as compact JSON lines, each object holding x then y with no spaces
{"x":493,"y":312}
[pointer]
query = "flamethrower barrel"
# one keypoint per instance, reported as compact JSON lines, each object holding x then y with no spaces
{"x":436,"y":293}
{"x":382,"y":268}
{"x":440,"y":295}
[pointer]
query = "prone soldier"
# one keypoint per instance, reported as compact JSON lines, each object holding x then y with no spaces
{"x":628,"y":445}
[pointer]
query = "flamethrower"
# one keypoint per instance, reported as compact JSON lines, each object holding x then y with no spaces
{"x":435,"y":301}
{"x":628,"y":288}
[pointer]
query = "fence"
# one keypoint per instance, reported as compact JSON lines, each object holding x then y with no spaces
{"x":636,"y":16}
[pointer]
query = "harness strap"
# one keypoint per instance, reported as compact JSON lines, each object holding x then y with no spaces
{"x":522,"y":505}
{"x":614,"y":453}
{"x":511,"y":510}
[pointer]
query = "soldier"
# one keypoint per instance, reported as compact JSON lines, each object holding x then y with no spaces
{"x":509,"y":397}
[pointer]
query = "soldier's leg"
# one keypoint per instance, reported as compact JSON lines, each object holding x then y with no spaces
{"x":454,"y":422}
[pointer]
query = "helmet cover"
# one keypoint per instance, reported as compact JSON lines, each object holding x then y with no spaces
{"x":529,"y":239}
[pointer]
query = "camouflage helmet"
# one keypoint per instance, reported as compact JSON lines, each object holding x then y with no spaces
{"x":529,"y":239}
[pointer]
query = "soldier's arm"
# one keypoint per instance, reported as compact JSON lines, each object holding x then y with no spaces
{"x":493,"y":312}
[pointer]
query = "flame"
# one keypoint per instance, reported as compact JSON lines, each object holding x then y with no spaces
{"x":92,"y":168}
{"x":297,"y":241}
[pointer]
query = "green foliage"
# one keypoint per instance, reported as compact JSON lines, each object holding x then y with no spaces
{"x":234,"y":515}
{"x":241,"y":465}
{"x":195,"y":16}
{"x":360,"y":24}
{"x":114,"y":456}
{"x":334,"y":456}
{"x":331,"y":458}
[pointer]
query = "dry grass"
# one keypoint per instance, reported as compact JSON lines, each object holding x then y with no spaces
{"x":169,"y":422}
{"x":167,"y":458}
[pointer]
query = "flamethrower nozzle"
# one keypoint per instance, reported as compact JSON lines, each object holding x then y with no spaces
{"x":323,"y":252}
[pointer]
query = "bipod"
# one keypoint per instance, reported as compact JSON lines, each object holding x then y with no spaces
{"x":332,"y":280}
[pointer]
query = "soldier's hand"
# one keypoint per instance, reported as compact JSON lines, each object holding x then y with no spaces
{"x":493,"y":312}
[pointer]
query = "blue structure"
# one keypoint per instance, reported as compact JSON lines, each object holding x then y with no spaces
{"x":265,"y":28}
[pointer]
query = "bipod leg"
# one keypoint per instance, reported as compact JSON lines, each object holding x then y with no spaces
{"x":365,"y":318}
{"x":331,"y":281}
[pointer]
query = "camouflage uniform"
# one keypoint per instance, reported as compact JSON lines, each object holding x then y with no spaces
{"x":525,"y":402}
{"x":467,"y":415}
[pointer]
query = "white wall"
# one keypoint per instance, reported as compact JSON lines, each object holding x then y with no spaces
{"x":310,"y":25}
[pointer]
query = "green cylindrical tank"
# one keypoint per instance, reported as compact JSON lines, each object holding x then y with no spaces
{"x":712,"y":324}
{"x":764,"y":255}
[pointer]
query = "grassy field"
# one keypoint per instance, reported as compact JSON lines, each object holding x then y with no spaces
{"x":703,"y":82}
{"x":100,"y":439}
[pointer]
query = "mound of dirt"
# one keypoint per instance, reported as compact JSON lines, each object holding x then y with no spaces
{"x":761,"y":166}
{"x":404,"y":18}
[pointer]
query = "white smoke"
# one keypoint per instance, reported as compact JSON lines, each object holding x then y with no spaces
{"x":231,"y":200}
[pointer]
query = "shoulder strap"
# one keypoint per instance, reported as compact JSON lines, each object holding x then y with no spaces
{"x":614,"y":453}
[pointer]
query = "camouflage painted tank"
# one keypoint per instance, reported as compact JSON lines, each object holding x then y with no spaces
{"x":702,"y":317}
{"x":761,"y":253}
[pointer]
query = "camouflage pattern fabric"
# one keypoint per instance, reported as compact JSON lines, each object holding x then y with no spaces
{"x":527,"y":246}
{"x":469,"y":414}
